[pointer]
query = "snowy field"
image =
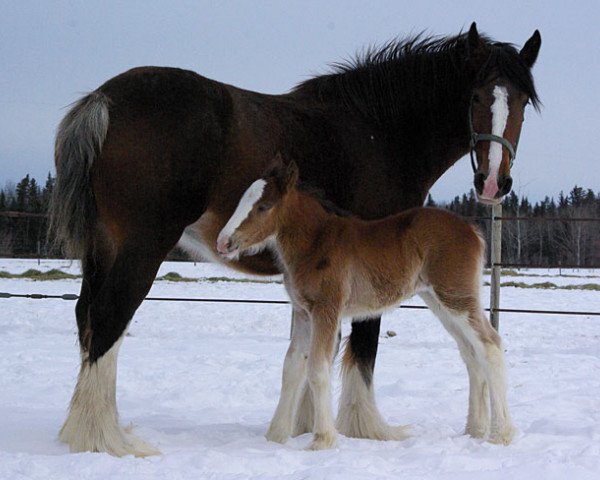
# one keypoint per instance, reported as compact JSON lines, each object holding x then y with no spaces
{"x":201,"y":381}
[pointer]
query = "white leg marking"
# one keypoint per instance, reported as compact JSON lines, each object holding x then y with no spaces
{"x":319,"y":379}
{"x":294,"y":380}
{"x":485,"y":364}
{"x":92,"y":424}
{"x":358,"y":416}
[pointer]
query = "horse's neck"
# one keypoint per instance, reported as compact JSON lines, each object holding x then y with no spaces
{"x":423,"y":128}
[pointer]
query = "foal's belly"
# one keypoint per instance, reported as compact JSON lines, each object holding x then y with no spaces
{"x":367,"y":300}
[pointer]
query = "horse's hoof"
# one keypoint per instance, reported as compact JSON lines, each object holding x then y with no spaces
{"x":323,"y":441}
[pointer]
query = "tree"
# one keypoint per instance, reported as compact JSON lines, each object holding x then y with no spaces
{"x":22,"y":192}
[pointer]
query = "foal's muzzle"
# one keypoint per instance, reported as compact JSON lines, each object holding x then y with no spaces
{"x":226,"y":247}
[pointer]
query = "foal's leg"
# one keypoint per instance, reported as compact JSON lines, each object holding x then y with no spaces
{"x":325,"y":324}
{"x":358,"y":415}
{"x":305,"y":411}
{"x":103,"y":314}
{"x":478,"y":417}
{"x":481,"y":350}
{"x":293,"y":383}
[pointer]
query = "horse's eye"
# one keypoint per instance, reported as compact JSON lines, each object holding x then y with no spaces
{"x":476,"y":98}
{"x":263,"y":207}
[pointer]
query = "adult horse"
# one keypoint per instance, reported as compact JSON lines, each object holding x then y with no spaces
{"x":156,"y":151}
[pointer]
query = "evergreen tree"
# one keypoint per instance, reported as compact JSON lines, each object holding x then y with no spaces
{"x":22,"y":192}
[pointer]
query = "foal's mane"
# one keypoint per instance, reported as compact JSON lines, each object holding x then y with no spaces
{"x":319,"y":196}
{"x":411,"y":71}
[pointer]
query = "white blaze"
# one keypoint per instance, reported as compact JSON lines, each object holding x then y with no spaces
{"x":499,"y":119}
{"x":249,"y":198}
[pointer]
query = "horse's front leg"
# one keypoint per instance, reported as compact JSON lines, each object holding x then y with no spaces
{"x":325,"y":324}
{"x":294,"y":379}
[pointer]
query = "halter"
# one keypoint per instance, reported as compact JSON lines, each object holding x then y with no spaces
{"x":480,"y":137}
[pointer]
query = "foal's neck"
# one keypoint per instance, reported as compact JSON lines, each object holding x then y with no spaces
{"x":304,"y":226}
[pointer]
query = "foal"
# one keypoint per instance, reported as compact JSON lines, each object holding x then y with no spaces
{"x":338,"y":266}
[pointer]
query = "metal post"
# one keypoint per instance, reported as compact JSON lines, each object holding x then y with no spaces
{"x":495,"y":259}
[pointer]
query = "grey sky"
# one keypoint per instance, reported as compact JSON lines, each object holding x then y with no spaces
{"x":53,"y":51}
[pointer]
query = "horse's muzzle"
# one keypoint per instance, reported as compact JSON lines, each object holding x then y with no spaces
{"x":491,"y":190}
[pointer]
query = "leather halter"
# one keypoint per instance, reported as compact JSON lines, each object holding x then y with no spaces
{"x":481,"y":137}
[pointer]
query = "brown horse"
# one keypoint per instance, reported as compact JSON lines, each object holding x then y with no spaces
{"x":343,"y":266}
{"x":155,"y":152}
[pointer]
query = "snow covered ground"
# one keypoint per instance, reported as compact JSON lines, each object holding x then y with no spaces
{"x":201,"y":381}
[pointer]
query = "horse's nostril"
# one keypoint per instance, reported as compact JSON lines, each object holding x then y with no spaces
{"x":504,"y":184}
{"x":479,"y":181}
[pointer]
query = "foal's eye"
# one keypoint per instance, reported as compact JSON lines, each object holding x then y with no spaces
{"x":263,"y":207}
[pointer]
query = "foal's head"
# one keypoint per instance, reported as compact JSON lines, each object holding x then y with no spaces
{"x":255,"y":221}
{"x":503,"y":89}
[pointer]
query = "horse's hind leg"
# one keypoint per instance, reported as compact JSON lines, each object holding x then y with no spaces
{"x":358,"y":415}
{"x":481,"y":349}
{"x":111,"y":292}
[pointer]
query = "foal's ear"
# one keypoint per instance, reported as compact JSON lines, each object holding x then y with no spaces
{"x":291,"y":175}
{"x":530,"y":50}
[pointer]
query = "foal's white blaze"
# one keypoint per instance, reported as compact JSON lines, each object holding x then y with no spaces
{"x":499,"y":120}
{"x":249,"y":198}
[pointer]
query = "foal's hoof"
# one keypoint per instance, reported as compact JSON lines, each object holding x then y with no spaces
{"x":323,"y":441}
{"x":476,"y":431}
{"x":502,"y":437}
{"x":277,"y":436}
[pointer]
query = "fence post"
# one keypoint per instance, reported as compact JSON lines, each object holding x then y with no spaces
{"x":495,"y":259}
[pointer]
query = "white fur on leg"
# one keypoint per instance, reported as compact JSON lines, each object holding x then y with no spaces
{"x":501,"y":430}
{"x":293,"y":381}
{"x":319,"y":380}
{"x":482,"y":358}
{"x":305,"y":419}
{"x":92,"y":423}
{"x":358,"y":416}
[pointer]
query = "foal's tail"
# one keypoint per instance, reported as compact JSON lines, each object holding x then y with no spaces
{"x":79,"y":141}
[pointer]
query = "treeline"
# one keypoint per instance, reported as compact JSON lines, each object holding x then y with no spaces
{"x":23,"y":223}
{"x":547,"y":238}
{"x":550,"y":234}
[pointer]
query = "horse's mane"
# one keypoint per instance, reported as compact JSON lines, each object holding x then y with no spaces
{"x":411,"y":71}
{"x":319,"y":196}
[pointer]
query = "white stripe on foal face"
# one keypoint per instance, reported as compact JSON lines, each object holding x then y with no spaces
{"x":249,"y":198}
{"x":499,"y":119}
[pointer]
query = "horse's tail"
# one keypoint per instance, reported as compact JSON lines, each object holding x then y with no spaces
{"x":79,"y":141}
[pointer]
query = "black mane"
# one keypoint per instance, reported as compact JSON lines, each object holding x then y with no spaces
{"x":319,"y":196}
{"x":419,"y":70}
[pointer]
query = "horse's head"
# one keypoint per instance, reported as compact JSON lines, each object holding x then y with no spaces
{"x":254,"y":223}
{"x":503,"y":88}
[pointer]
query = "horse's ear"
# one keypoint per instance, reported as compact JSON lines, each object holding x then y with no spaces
{"x":530,"y":50}
{"x":475,"y":46}
{"x":473,"y":37}
{"x":292,"y":175}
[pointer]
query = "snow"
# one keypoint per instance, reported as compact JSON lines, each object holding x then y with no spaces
{"x":201,"y":381}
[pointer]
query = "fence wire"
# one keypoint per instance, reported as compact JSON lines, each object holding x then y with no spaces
{"x":72,"y":296}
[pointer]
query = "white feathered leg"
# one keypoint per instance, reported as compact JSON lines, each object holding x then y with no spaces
{"x":92,"y":424}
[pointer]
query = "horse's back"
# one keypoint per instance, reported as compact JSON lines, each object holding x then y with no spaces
{"x":166,"y":135}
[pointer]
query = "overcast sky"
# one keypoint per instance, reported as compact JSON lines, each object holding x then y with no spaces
{"x":53,"y":51}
